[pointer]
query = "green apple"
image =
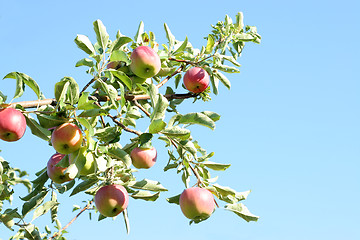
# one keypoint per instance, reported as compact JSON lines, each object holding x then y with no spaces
{"x":197,"y":203}
{"x":111,"y":200}
{"x":12,"y":124}
{"x":145,"y":62}
{"x":85,"y":159}
{"x":143,"y":157}
{"x":66,"y":138}
{"x":196,"y":80}
{"x":59,"y":174}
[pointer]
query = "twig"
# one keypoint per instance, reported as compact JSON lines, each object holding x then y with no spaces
{"x":88,"y":84}
{"x":72,"y":220}
{"x":142,"y":108}
{"x":173,"y":74}
{"x":123,"y":126}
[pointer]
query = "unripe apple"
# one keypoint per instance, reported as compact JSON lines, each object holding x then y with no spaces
{"x":196,"y":80}
{"x":145,"y":62}
{"x":55,"y":173}
{"x":111,"y":200}
{"x":66,"y":138}
{"x":88,"y":158}
{"x":196,"y":203}
{"x":12,"y":124}
{"x":143,"y":158}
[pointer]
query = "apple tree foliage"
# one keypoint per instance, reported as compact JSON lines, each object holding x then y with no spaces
{"x":109,"y":107}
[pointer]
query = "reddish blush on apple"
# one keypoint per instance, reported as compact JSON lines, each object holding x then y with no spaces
{"x":55,"y":173}
{"x":196,"y":80}
{"x":12,"y":124}
{"x":111,"y":200}
{"x":66,"y":138}
{"x":197,"y":203}
{"x":145,"y":62}
{"x":143,"y":157}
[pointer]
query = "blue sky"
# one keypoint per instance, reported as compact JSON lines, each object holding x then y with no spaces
{"x":289,"y":127}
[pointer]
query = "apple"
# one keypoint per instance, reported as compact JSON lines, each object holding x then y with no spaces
{"x":143,"y":157}
{"x":88,"y":158}
{"x":145,"y":62}
{"x":196,"y":80}
{"x":55,"y":173}
{"x":111,"y":200}
{"x":197,"y":203}
{"x":66,"y":138}
{"x":12,"y":124}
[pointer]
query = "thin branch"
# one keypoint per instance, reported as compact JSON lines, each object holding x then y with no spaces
{"x":141,"y":108}
{"x":123,"y":126}
{"x":88,"y":84}
{"x":173,"y":74}
{"x":72,"y":220}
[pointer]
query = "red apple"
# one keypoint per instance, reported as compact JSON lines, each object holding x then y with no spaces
{"x":196,"y":80}
{"x":55,"y":173}
{"x":111,"y":200}
{"x":66,"y":138}
{"x":145,"y":62}
{"x":143,"y":158}
{"x":12,"y":124}
{"x":197,"y":203}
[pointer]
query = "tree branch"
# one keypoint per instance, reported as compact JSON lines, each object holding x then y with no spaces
{"x":72,"y":220}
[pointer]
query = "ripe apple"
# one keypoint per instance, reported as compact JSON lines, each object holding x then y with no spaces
{"x":12,"y":124}
{"x":87,"y":158}
{"x":197,"y":203}
{"x":111,"y":200}
{"x":66,"y":138}
{"x":143,"y":157}
{"x":196,"y":80}
{"x":145,"y":62}
{"x":55,"y":173}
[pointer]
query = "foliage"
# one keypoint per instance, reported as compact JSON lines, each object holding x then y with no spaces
{"x":109,"y":107}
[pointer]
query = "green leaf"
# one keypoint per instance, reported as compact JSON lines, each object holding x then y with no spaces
{"x":2,"y":97}
{"x":33,"y":193}
{"x":67,"y":90}
{"x":84,"y":62}
{"x":214,"y":84}
{"x":229,"y":195}
{"x":84,"y":44}
{"x":36,"y":129}
{"x":118,"y":55}
{"x":122,"y":76}
{"x":139,"y":33}
{"x":119,"y":42}
{"x":189,"y":146}
{"x":85,"y":103}
{"x":93,"y":113}
{"x":87,"y":125}
{"x":108,"y":134}
{"x":213,"y":115}
{"x":242,"y":211}
{"x":216,"y":166}
{"x":41,"y":179}
{"x":126,"y":220}
{"x":174,"y":199}
{"x":160,"y":107}
{"x":156,"y":126}
{"x":145,"y":195}
{"x":84,"y":185}
{"x":197,"y":118}
{"x":226,"y":68}
{"x":102,"y":36}
{"x":33,"y":203}
{"x":169,"y":36}
{"x":239,"y":24}
{"x":41,"y":210}
{"x":21,"y":80}
{"x":146,"y":184}
{"x":223,"y":79}
{"x":117,"y":153}
{"x":182,"y":47}
{"x":110,"y":91}
{"x":177,"y":132}
{"x":210,"y":44}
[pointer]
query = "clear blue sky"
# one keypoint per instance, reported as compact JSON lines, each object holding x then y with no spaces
{"x":289,"y":127}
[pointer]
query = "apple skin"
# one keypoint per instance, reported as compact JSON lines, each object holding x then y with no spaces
{"x":145,"y":62}
{"x":12,"y":124}
{"x":66,"y":138}
{"x":57,"y":174}
{"x":111,"y":200}
{"x":143,"y":158}
{"x":196,"y":80}
{"x":89,"y":166}
{"x":197,"y":202}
